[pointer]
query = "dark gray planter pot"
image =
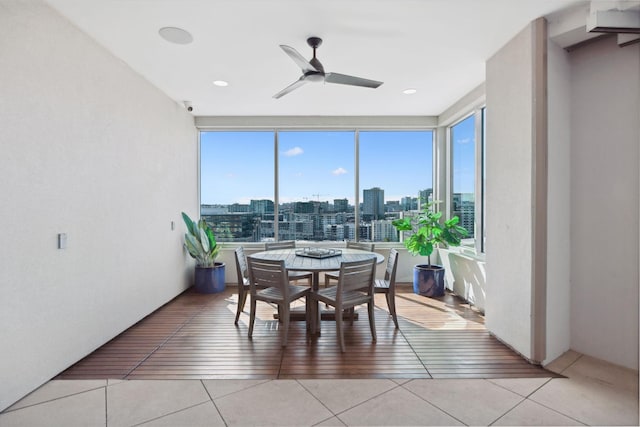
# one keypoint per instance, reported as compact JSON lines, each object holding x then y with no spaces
{"x":428,"y":280}
{"x":210,"y":280}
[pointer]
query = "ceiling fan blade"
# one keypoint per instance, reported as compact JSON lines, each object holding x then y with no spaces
{"x":344,"y":79}
{"x":291,"y":87}
{"x":298,"y":59}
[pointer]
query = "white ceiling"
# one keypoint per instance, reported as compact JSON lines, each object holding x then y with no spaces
{"x":438,"y":47}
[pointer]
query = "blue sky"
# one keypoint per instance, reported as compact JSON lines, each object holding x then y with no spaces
{"x":319,"y":165}
{"x":463,"y":156}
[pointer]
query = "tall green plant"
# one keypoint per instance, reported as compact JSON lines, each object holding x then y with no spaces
{"x":200,"y":242}
{"x":429,"y":230}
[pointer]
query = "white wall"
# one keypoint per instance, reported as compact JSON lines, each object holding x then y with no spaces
{"x":558,"y":202}
{"x":90,"y":149}
{"x":605,"y":134}
{"x":465,"y":275}
{"x":509,"y":154}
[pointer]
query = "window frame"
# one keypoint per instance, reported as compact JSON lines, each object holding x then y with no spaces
{"x":479,"y":114}
{"x":355,"y":129}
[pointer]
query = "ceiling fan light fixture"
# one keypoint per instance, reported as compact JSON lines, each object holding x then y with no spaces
{"x":175,"y":35}
{"x":409,"y":91}
{"x":221,"y":83}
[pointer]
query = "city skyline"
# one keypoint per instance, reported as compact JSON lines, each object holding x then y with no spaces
{"x":319,"y":165}
{"x":322,"y":220}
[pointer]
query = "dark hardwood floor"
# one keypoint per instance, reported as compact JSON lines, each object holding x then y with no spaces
{"x":193,"y":337}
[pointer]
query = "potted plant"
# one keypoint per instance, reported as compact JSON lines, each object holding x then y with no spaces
{"x":202,"y":246}
{"x":429,"y":231}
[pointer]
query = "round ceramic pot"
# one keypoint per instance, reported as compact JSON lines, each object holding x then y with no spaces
{"x":210,"y":280}
{"x":428,"y":280}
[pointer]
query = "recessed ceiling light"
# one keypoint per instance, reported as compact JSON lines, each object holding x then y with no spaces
{"x":220,"y":83}
{"x":175,"y":35}
{"x":409,"y":91}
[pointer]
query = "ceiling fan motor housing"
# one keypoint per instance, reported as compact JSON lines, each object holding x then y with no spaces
{"x":314,"y":42}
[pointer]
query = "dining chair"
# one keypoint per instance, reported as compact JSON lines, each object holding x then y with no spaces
{"x":242,"y":272}
{"x":331,"y":275}
{"x":268,"y":282}
{"x":355,"y":287}
{"x":293,"y":275}
{"x":285,"y":244}
{"x":387,"y":286}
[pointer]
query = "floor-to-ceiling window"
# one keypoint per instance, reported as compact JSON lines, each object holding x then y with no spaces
{"x":467,"y":166}
{"x":327,"y":185}
{"x":236,"y":184}
{"x":395,"y":179}
{"x":463,"y":171}
{"x":483,"y":175}
{"x":315,"y":185}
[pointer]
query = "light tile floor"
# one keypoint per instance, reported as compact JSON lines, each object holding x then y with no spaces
{"x":594,"y":393}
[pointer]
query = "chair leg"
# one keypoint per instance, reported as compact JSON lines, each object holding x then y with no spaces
{"x":252,"y":316}
{"x":391,"y":303}
{"x":327,"y":282}
{"x":317,"y":317}
{"x":372,"y":322}
{"x":339,"y":328}
{"x":242,"y":299}
{"x":308,"y":315}
{"x":284,"y":311}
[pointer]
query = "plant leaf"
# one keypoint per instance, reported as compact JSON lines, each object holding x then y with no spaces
{"x":193,"y":246}
{"x":463,"y":231}
{"x":429,"y":230}
{"x":403,"y":224}
{"x":453,"y":221}
{"x":204,"y":241}
{"x":211,"y":238}
{"x":191,"y":226}
{"x":426,"y":249}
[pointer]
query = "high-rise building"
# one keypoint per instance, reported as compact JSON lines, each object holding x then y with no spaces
{"x":464,"y":208}
{"x":383,"y":231}
{"x":373,"y":203}
{"x":237,"y":207}
{"x":392,"y":206}
{"x":409,"y":203}
{"x":335,"y":232}
{"x":304,"y":207}
{"x":425,"y":196}
{"x":365,"y":232}
{"x":213,"y":209}
{"x":341,"y":205}
{"x":261,"y":206}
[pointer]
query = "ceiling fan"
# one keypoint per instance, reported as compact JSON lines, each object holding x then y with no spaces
{"x":313,"y":71}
